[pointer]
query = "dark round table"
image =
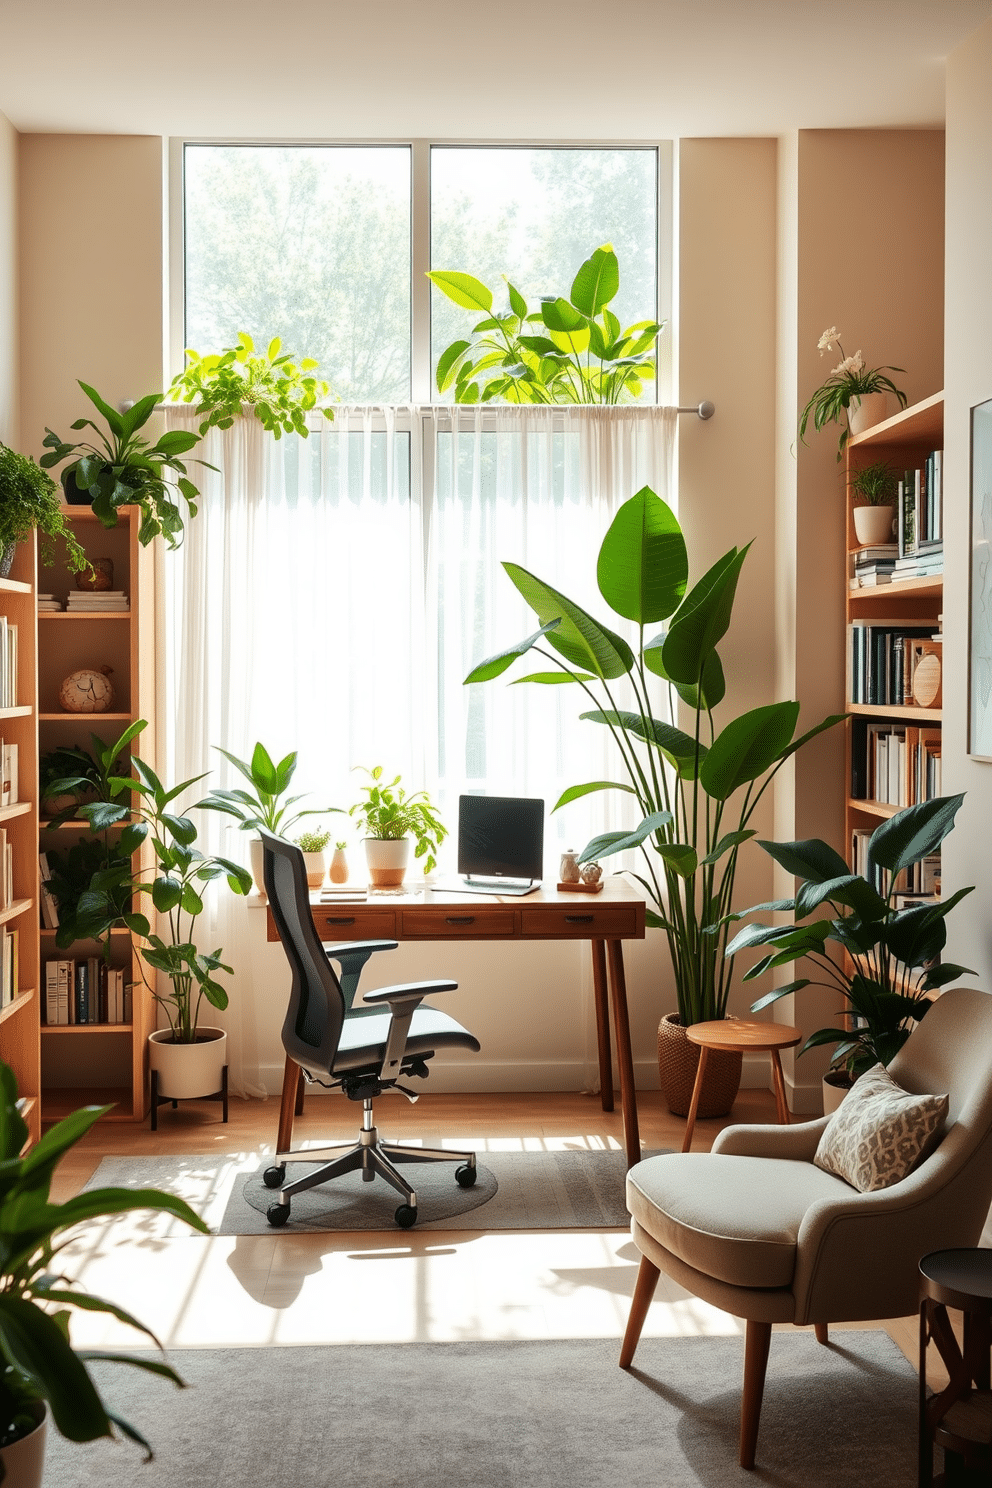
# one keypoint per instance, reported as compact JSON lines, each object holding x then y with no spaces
{"x":958,"y":1417}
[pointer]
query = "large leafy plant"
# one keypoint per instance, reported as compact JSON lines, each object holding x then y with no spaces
{"x":387,"y":813}
{"x":37,"y":1360}
{"x":886,"y":960}
{"x":125,"y":469}
{"x":29,"y":502}
{"x":279,"y":391}
{"x":266,"y":804}
{"x":696,"y":789}
{"x":569,"y":351}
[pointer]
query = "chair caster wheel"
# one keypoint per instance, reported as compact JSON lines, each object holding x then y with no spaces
{"x":273,"y":1177}
{"x":405,"y":1216}
{"x":465,"y":1176}
{"x":277,"y":1214}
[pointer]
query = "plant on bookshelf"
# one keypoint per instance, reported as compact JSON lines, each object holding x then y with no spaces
{"x":28,"y":503}
{"x":39,"y":1364}
{"x":888,"y":959}
{"x":873,"y":493}
{"x":844,"y":389}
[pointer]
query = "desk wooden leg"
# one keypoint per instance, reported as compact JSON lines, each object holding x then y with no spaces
{"x":601,"y":997}
{"x":625,"y":1061}
{"x":781,"y":1104}
{"x":690,"y":1124}
{"x":292,"y":1078}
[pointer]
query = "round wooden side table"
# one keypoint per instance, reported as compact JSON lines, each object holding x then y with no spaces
{"x":739,"y":1034}
{"x":959,"y":1417}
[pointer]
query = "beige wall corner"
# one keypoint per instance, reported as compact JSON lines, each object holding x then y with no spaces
{"x":91,"y":274}
{"x":969,"y":382}
{"x":8,"y":283}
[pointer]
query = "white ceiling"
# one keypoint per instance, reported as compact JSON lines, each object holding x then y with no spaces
{"x":567,"y":69}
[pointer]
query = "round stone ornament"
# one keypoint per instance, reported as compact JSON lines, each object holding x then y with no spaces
{"x":87,"y":691}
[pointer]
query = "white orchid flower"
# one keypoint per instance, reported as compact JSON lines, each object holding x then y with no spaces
{"x":848,"y":365}
{"x":826,"y":341}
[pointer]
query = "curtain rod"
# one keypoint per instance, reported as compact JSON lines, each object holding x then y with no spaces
{"x":704,"y":410}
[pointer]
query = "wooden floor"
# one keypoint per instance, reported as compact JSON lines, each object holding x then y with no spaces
{"x":282,"y":1289}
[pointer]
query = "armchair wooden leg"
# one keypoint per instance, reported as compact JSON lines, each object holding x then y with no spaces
{"x":756,"y":1342}
{"x":647,"y":1280}
{"x":822,"y":1332}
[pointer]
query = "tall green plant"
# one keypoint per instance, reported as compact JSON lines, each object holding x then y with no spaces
{"x":697,"y":790}
{"x":266,"y":804}
{"x":568,"y":351}
{"x":886,"y":960}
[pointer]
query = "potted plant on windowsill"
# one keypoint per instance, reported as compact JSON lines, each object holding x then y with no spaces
{"x":873,"y":493}
{"x":41,"y":1373}
{"x":266,"y":805}
{"x":854,"y":396}
{"x":313,"y":845}
{"x":273,"y":388}
{"x":695,"y":790}
{"x":391,"y":819}
{"x":29,"y":502}
{"x":887,"y":958}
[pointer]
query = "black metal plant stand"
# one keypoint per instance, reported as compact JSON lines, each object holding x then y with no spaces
{"x":168,"y":1100}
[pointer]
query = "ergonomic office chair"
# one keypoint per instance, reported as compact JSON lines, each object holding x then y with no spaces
{"x":360,"y":1051}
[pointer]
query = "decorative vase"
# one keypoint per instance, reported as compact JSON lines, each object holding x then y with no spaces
{"x":256,"y":858}
{"x":835,"y":1087}
{"x":387,"y":860}
{"x":101,"y":577}
{"x":188,"y":1070}
{"x":338,"y":871}
{"x":874,"y":524}
{"x":568,"y":869}
{"x":23,"y":1461}
{"x":866,"y":411}
{"x":89,"y":690}
{"x":7,"y":559}
{"x":314,"y":862}
{"x":678,"y":1060}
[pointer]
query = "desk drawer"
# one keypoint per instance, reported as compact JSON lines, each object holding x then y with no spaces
{"x":451,"y":922}
{"x":597,"y":922}
{"x":354,"y":922}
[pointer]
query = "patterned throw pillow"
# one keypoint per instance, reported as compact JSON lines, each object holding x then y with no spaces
{"x":879,"y":1131}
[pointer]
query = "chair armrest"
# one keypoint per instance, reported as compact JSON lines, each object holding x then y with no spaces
{"x":406,"y":992}
{"x":351,"y":956}
{"x":796,"y":1142}
{"x":351,"y":947}
{"x":403,"y":1000}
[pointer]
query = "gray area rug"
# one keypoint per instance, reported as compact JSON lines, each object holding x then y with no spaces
{"x":508,"y":1415}
{"x":567,"y":1189}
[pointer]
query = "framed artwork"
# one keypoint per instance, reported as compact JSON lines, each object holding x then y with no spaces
{"x":980,"y":657}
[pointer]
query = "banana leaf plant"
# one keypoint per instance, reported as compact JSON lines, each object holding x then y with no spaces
{"x":696,"y":789}
{"x":886,"y":959}
{"x":568,"y":351}
{"x":37,"y":1360}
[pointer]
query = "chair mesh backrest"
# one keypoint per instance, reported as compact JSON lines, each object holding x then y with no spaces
{"x":316,"y":1009}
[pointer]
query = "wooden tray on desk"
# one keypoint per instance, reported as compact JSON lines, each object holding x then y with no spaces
{"x":581,"y":888}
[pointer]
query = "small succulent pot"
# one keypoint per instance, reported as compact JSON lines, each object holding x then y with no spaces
{"x":314,"y":862}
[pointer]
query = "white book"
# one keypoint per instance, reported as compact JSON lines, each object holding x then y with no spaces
{"x":51,"y":992}
{"x":8,"y":774}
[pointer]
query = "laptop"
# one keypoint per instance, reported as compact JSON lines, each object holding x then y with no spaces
{"x":500,"y":844}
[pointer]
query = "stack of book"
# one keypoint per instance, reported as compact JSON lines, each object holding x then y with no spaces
{"x":920,"y":520}
{"x":85,"y":992}
{"x":8,"y":663}
{"x":921,"y":879}
{"x":8,"y":967}
{"x":874,"y":565}
{"x":89,"y":601}
{"x":882,"y":658}
{"x":343,"y":894}
{"x":894,"y":764}
{"x":48,"y":604}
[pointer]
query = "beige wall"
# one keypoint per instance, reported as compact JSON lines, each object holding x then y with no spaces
{"x":969,"y":381}
{"x":8,"y":283}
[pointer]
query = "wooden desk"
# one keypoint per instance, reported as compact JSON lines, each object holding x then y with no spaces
{"x":605,"y":920}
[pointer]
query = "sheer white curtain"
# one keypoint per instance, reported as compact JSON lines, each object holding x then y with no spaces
{"x":332,"y":594}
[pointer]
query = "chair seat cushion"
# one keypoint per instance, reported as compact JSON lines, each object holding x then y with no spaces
{"x":364,"y":1035}
{"x":733,"y":1218}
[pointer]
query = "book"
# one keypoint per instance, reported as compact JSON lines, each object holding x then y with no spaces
{"x":49,"y":904}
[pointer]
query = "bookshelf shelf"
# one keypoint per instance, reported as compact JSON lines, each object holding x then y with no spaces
{"x":911,"y":712}
{"x":62,"y":1100}
{"x":76,"y":1029}
{"x":19,"y":1005}
{"x":23,"y":710}
{"x":872,"y":808}
{"x":48,"y":616}
{"x":932,"y":587}
{"x":19,"y":808}
{"x":14,"y":586}
{"x":18,"y":907}
{"x":90,"y":719}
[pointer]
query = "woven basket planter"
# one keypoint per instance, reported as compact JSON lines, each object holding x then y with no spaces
{"x":678,"y":1060}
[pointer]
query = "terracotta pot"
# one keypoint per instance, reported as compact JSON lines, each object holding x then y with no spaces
{"x":678,"y":1060}
{"x":834,"y":1092}
{"x":188,"y":1070}
{"x":314,"y":862}
{"x":873,"y":524}
{"x":387,"y":861}
{"x":867,"y":411}
{"x":24,"y":1460}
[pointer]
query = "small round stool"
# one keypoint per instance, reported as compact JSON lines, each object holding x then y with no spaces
{"x":738,"y":1034}
{"x":959,"y":1417}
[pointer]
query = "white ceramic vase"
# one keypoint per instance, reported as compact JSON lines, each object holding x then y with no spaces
{"x":867,"y":411}
{"x":188,"y":1070}
{"x":256,"y":855}
{"x":24,"y":1461}
{"x":873,"y":524}
{"x":387,"y":861}
{"x":314,"y":862}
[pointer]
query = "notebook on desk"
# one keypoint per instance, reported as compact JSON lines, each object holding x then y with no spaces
{"x":500,"y":845}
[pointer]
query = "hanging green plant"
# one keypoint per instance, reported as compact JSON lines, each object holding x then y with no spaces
{"x":28,"y":501}
{"x":279,"y":391}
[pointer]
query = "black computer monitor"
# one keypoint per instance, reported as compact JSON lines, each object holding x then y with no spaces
{"x":501,"y":837}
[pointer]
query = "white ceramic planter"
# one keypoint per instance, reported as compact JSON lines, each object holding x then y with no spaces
{"x":387,"y":861}
{"x":24,"y":1460}
{"x":188,"y":1070}
{"x":867,"y":411}
{"x":873,"y":524}
{"x":315,"y":869}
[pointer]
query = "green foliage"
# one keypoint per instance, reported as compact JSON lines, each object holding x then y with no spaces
{"x":388,"y":813}
{"x":682,"y":783}
{"x":278,"y":391}
{"x":875,"y":485}
{"x":850,"y":379}
{"x":29,"y":501}
{"x":569,"y":351}
{"x":39,"y":1362}
{"x":141,"y":807}
{"x":313,"y":842}
{"x":266,"y":805}
{"x":126,"y":470}
{"x":889,"y":958}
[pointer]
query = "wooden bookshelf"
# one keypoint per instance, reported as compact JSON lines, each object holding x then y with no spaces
{"x":97,"y":1063}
